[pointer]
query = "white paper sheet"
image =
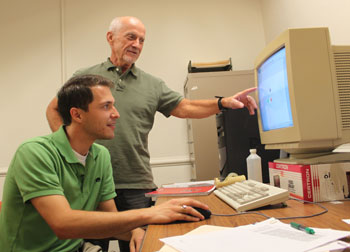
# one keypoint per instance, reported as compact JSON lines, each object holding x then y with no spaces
{"x":270,"y":235}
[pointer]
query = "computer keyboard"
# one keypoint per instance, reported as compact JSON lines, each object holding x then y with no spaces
{"x":251,"y":194}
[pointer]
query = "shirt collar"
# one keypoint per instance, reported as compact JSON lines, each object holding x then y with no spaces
{"x":61,"y":141}
{"x":133,"y":70}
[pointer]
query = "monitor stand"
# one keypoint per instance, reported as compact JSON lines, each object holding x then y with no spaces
{"x":315,"y":158}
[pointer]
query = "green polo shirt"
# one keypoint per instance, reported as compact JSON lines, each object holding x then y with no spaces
{"x":47,"y":166}
{"x":138,"y":96}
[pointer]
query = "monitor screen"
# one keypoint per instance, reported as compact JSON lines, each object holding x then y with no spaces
{"x":274,"y":101}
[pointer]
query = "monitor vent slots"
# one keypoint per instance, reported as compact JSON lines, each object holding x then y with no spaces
{"x":342,"y":66}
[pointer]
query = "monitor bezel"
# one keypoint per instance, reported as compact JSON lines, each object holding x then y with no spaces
{"x":292,"y":138}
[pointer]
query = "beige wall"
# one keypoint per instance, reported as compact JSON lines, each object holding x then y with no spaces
{"x":44,"y":42}
{"x":30,"y":69}
{"x":279,"y":15}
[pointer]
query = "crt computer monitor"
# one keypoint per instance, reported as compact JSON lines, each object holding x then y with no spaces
{"x":304,"y":96}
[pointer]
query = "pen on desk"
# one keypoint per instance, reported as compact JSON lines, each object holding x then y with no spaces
{"x":303,"y":228}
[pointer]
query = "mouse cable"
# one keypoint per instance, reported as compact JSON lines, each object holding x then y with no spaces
{"x":325,"y":210}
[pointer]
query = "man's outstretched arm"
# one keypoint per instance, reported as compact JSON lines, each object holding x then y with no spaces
{"x":204,"y":108}
{"x":68,"y":223}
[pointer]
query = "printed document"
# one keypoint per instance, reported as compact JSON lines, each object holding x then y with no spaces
{"x":271,"y":234}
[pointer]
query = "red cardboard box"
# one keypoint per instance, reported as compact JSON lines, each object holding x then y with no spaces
{"x":314,"y":183}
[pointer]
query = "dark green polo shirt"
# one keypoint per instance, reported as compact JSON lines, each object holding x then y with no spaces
{"x":47,"y":166}
{"x":138,"y":96}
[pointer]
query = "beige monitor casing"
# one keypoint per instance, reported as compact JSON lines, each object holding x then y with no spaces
{"x":320,"y":101}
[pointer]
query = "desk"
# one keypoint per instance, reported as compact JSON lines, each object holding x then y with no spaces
{"x":331,"y":219}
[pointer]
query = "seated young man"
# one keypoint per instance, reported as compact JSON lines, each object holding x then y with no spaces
{"x":59,"y":188}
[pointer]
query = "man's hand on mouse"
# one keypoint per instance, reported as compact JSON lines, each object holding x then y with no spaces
{"x":175,"y":210}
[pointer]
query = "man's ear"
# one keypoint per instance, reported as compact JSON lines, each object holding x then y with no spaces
{"x":109,"y":37}
{"x":75,"y":113}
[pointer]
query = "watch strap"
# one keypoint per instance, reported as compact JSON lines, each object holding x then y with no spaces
{"x":221,"y":107}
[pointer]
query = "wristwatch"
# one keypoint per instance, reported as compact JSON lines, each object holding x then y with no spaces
{"x":221,"y":107}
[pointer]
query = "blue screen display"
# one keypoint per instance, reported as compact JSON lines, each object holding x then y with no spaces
{"x":274,"y":101}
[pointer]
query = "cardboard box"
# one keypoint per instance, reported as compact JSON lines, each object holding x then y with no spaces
{"x":314,"y":183}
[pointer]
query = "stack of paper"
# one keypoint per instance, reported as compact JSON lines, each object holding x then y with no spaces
{"x":270,"y":235}
{"x":181,"y":191}
{"x":184,"y":189}
{"x":343,"y":148}
{"x":223,"y":65}
{"x":190,"y":184}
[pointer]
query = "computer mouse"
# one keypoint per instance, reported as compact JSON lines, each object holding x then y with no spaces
{"x":204,"y":212}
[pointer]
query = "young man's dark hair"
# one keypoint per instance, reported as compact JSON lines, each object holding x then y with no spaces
{"x":68,"y":96}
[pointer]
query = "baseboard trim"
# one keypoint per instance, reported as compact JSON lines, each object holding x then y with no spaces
{"x":155,"y":162}
{"x":3,"y":170}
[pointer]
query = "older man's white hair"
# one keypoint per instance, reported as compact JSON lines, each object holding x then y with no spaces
{"x":118,"y":22}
